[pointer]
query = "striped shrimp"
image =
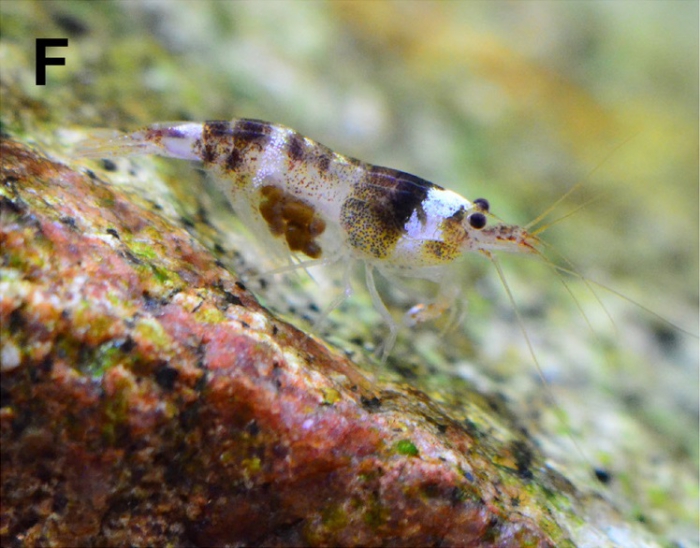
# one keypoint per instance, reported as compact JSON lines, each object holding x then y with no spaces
{"x":312,"y":205}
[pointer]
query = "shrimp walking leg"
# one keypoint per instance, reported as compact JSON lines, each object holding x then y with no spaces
{"x":386,"y":347}
{"x":447,"y":295}
{"x":338,"y":300}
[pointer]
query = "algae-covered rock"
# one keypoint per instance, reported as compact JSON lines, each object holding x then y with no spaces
{"x":148,"y":398}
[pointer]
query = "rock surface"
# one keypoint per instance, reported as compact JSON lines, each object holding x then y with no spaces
{"x":148,"y":399}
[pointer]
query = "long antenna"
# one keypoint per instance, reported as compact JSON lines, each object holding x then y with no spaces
{"x":626,"y":298}
{"x":578,"y":185}
{"x":571,"y":269}
{"x":566,"y":216}
{"x":548,"y":389}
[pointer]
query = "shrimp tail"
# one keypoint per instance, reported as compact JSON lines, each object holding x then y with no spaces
{"x":107,"y":144}
{"x":172,"y":139}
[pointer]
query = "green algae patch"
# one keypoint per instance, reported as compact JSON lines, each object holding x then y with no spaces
{"x":209,"y":314}
{"x":252,"y":465}
{"x":144,"y":250}
{"x":228,"y":458}
{"x":334,"y":517}
{"x":375,"y":515}
{"x":104,"y":358}
{"x":406,"y":447}
{"x":330,"y":396}
{"x":160,"y":274}
{"x":90,"y":319}
{"x":150,"y":336}
{"x":116,"y":406}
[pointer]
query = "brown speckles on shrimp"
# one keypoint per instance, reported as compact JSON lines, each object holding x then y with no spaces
{"x":323,"y":161}
{"x":448,"y":248}
{"x":375,"y":214}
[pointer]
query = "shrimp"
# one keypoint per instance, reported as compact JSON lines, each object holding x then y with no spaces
{"x":312,"y":206}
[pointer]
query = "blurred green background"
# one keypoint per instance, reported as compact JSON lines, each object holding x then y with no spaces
{"x":512,"y":101}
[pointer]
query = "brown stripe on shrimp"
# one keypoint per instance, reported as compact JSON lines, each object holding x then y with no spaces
{"x":376,"y":212}
{"x":250,"y":137}
{"x":305,"y":153}
{"x":295,"y":147}
{"x":233,"y":145}
{"x":216,"y":141}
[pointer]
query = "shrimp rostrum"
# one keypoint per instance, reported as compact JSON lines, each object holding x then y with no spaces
{"x":316,"y":206}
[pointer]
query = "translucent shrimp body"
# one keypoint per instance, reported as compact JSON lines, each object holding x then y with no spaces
{"x":305,"y":201}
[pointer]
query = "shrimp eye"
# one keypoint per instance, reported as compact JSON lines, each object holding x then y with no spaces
{"x":482,"y":204}
{"x":477,"y":220}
